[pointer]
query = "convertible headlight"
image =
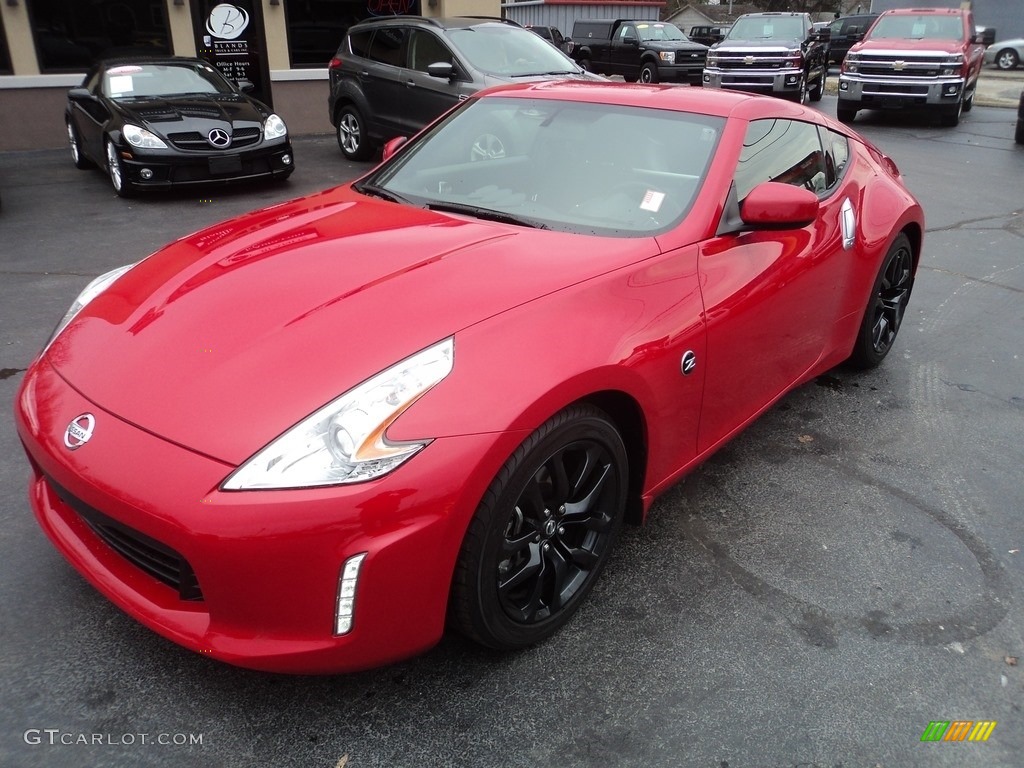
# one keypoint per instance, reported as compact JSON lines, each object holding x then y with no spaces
{"x":141,"y":138}
{"x":274,"y":128}
{"x":91,"y":291}
{"x":345,"y":441}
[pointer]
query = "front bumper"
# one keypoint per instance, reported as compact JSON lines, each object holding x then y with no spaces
{"x":899,"y":92}
{"x":774,"y":82}
{"x":683,"y":73}
{"x":258,"y":570}
{"x":169,"y":168}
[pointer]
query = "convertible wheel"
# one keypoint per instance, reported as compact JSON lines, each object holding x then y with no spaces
{"x":1007,"y":59}
{"x":352,"y":138}
{"x":122,"y":186}
{"x":77,"y":157}
{"x":542,"y":533}
{"x":886,"y":307}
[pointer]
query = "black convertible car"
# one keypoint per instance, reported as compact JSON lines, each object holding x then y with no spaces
{"x":156,"y":123}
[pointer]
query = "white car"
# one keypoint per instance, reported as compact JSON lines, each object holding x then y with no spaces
{"x":1005,"y":54}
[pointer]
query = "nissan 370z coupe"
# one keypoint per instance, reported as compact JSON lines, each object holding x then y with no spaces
{"x":310,"y":438}
{"x":153,"y":123}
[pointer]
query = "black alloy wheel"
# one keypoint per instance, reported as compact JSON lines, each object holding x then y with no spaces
{"x":542,"y":533}
{"x":887,"y":305}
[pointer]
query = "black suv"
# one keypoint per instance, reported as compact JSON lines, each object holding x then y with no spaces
{"x":391,"y":76}
{"x":780,"y":54}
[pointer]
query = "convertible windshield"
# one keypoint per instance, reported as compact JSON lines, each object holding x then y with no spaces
{"x":497,"y":49}
{"x":925,"y":27}
{"x":560,"y":165}
{"x":767,"y":28}
{"x":141,"y":80}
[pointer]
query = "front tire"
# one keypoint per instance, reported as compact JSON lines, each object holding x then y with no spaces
{"x":845,"y":114}
{"x":886,"y":307}
{"x":542,"y":533}
{"x":950,"y":116}
{"x":351,"y":134}
{"x":115,"y":168}
{"x":819,"y":87}
{"x":649,"y":73}
{"x":75,"y":145}
{"x":1007,"y":59}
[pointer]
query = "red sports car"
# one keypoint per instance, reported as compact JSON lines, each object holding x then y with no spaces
{"x":308,"y":439}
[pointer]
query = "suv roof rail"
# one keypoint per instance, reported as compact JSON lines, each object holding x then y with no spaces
{"x":496,"y":18}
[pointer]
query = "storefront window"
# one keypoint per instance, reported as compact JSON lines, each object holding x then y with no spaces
{"x":317,"y":27}
{"x":5,"y":56}
{"x":71,"y":35}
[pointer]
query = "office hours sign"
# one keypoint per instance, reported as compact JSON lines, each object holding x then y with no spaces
{"x":230,"y":36}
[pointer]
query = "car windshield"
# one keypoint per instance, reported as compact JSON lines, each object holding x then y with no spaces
{"x":924,"y":27}
{"x":767,"y":28}
{"x":568,"y":166}
{"x":504,"y":51}
{"x":142,"y":80}
{"x":660,"y":32}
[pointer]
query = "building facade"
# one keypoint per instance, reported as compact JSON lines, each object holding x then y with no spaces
{"x":283,"y":46}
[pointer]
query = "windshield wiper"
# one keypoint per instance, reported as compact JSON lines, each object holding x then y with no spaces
{"x":384,"y":194}
{"x":488,"y":214}
{"x":555,"y":72}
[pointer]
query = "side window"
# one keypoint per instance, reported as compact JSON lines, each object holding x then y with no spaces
{"x":359,"y":43}
{"x":785,"y":151}
{"x":386,"y":45}
{"x":837,"y":153}
{"x":628,"y":30}
{"x":425,"y":49}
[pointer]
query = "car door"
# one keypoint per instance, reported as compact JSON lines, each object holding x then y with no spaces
{"x":427,"y":96}
{"x":624,"y":57}
{"x":90,"y":118}
{"x":772,"y":297}
{"x":380,"y":80}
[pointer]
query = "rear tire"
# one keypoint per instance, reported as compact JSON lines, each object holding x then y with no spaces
{"x":351,"y":134}
{"x":886,"y":306}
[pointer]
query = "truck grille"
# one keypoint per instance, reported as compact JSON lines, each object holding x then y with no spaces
{"x":899,"y":66}
{"x":157,"y":559}
{"x":746,"y":61}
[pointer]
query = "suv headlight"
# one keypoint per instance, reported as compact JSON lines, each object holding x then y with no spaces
{"x":345,"y":441}
{"x":274,"y":128}
{"x":141,"y":138}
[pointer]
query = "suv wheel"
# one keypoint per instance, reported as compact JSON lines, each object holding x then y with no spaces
{"x":352,"y":138}
{"x":649,"y":73}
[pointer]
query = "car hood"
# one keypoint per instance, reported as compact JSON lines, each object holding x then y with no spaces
{"x":890,"y":45}
{"x":757,"y":45}
{"x":673,"y":45}
{"x":226,"y":338}
{"x":200,"y":112}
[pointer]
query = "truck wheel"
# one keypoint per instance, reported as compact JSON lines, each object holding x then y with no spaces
{"x":629,"y":78}
{"x":800,"y":97}
{"x":950,"y":116}
{"x":969,"y":100}
{"x":649,"y":73}
{"x":819,"y":87}
{"x":845,"y":114}
{"x":585,"y":63}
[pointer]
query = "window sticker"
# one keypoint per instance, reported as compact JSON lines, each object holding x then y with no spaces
{"x":652,"y":201}
{"x":121,"y":84}
{"x":125,"y":70}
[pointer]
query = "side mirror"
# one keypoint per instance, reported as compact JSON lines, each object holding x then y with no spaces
{"x":391,"y":146}
{"x":822,"y":35}
{"x":245,"y":86}
{"x":773,"y":205}
{"x":443,"y":70}
{"x":81,"y":94}
{"x":632,"y":41}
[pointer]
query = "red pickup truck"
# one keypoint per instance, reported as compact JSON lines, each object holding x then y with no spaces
{"x":920,"y":59}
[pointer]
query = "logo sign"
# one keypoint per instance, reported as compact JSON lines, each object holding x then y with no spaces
{"x":227,"y":22}
{"x":689,"y":362}
{"x":958,"y":730}
{"x":79,"y":431}
{"x":899,"y":65}
{"x":218,"y":138}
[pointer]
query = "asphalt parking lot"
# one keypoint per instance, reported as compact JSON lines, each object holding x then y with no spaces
{"x":847,"y":571}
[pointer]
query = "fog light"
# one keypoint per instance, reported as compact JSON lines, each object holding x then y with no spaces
{"x":791,"y":79}
{"x":952,"y":89}
{"x":844,"y":86}
{"x":348,"y":580}
{"x":286,"y":159}
{"x":146,"y":174}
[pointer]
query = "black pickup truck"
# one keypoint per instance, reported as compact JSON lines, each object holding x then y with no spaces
{"x":648,"y":51}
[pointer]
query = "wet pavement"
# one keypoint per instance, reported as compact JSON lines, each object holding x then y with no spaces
{"x":845,"y":572}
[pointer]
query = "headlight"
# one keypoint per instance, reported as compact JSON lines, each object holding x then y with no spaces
{"x":140,"y":137}
{"x":712,"y":60}
{"x":274,"y":128}
{"x":92,"y":290}
{"x":851,"y":63}
{"x":669,"y":57}
{"x":345,"y":441}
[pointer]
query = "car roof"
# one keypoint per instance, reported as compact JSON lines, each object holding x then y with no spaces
{"x":438,"y":22}
{"x":709,"y":101}
{"x":125,"y":61}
